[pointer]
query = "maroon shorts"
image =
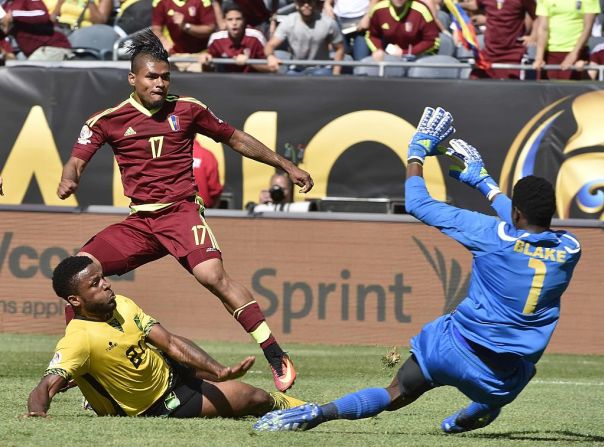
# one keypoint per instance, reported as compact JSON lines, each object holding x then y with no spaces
{"x":556,"y":58}
{"x":179,"y":230}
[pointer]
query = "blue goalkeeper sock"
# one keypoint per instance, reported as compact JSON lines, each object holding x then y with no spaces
{"x":362,"y":404}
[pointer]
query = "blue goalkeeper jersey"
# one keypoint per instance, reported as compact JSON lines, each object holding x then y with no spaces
{"x":513,"y":301}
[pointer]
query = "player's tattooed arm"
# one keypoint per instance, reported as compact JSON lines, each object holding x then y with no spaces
{"x":189,"y":354}
{"x":250,"y":147}
{"x":41,"y":396}
{"x":70,"y":178}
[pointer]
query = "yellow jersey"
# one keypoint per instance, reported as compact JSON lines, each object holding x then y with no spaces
{"x":70,"y":12}
{"x":111,"y":363}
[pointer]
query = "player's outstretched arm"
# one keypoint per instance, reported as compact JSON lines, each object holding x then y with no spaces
{"x":70,"y":178}
{"x":41,"y":396}
{"x":250,"y":147}
{"x":189,"y":354}
{"x":434,"y":127}
{"x":469,"y":169}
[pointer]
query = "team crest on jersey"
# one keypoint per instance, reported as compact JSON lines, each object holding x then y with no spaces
{"x":174,"y":124}
{"x":56,"y":359}
{"x":192,"y":11}
{"x":85,"y":135}
{"x":408,"y":27}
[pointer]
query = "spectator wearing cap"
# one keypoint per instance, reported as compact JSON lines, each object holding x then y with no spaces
{"x":237,"y":42}
{"x":400,"y":28}
{"x":309,"y":35}
{"x":564,"y":27}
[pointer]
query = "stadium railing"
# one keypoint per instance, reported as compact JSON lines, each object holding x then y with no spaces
{"x":381,"y":66}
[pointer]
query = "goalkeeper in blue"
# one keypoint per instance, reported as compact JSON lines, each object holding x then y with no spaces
{"x":488,"y":347}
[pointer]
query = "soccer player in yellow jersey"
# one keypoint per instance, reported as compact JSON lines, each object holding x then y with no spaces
{"x":126,"y":364}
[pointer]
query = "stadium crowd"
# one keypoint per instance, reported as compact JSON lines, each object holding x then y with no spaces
{"x":483,"y":32}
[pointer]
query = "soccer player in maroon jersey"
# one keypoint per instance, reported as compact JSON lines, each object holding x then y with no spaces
{"x":408,"y":25}
{"x":238,"y":42}
{"x":151,"y":134}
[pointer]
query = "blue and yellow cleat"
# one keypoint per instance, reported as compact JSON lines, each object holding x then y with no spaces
{"x":455,"y":424}
{"x":295,"y":419}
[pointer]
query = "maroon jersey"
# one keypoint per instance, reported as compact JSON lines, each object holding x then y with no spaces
{"x":505,"y":24}
{"x":196,"y":12}
{"x":32,"y":27}
{"x":153,"y":149}
{"x":414,"y":30}
{"x":252,"y":45}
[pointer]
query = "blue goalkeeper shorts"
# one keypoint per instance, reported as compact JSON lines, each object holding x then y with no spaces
{"x":446,"y":358}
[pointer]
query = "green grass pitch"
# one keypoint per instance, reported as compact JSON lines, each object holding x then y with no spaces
{"x":562,"y":406}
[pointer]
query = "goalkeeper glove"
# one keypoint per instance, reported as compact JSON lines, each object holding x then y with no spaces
{"x":433,"y":128}
{"x":472,"y":171}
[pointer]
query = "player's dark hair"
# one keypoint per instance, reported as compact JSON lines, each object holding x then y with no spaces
{"x":64,"y":277}
{"x":145,"y":43}
{"x":536,"y":198}
{"x":233,"y":7}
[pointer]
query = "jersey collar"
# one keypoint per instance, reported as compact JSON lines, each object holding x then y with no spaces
{"x":138,"y":106}
{"x":403,"y":13}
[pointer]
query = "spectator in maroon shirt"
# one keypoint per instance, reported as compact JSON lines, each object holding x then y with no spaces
{"x":506,"y":35}
{"x":401,"y":27}
{"x":237,"y":42}
{"x":190,"y":24}
{"x":29,"y":23}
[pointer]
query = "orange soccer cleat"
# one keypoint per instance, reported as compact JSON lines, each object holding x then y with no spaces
{"x":286,"y":379}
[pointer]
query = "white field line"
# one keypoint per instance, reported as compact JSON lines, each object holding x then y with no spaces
{"x":566,"y":382}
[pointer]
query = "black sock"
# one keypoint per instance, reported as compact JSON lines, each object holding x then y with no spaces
{"x":273,"y":354}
